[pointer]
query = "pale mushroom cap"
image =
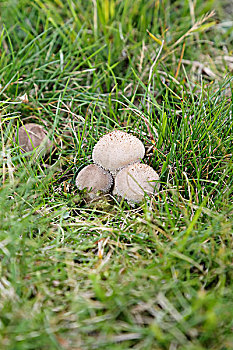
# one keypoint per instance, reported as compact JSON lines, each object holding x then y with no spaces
{"x":94,"y":179}
{"x":117,"y":149}
{"x":30,"y":136}
{"x":134,"y":180}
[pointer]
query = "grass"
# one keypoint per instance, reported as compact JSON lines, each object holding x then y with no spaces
{"x":104,"y":275}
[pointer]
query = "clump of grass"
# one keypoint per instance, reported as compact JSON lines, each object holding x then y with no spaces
{"x":105,"y":275}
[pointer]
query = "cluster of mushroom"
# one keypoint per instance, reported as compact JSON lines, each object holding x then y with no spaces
{"x":116,"y":158}
{"x":31,"y":136}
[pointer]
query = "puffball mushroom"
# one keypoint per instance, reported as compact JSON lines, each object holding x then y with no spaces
{"x":117,"y":149}
{"x":134,"y":180}
{"x":95,"y":179}
{"x":31,"y":136}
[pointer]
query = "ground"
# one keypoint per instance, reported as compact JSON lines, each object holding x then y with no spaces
{"x":104,"y":274}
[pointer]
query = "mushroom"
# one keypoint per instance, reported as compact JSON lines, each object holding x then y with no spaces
{"x":117,"y":149}
{"x":31,"y":136}
{"x":133,"y":181}
{"x":95,"y":179}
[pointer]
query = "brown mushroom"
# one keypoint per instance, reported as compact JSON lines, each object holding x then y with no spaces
{"x":31,"y":136}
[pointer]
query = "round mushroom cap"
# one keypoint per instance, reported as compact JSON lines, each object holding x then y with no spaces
{"x":117,"y":149}
{"x":135,"y":180}
{"x":31,"y":136}
{"x":95,"y":179}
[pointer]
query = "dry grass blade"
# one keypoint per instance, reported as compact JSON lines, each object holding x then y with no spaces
{"x":192,"y":30}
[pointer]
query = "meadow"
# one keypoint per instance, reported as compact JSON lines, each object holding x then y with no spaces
{"x":102,"y":274}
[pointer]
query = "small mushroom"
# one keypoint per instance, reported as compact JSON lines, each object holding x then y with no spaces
{"x":95,"y":179}
{"x":31,"y":136}
{"x":134,"y":181}
{"x":117,"y":149}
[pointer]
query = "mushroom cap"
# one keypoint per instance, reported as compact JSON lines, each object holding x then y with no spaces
{"x":117,"y":149}
{"x":95,"y":179}
{"x":134,"y":180}
{"x":31,"y":136}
